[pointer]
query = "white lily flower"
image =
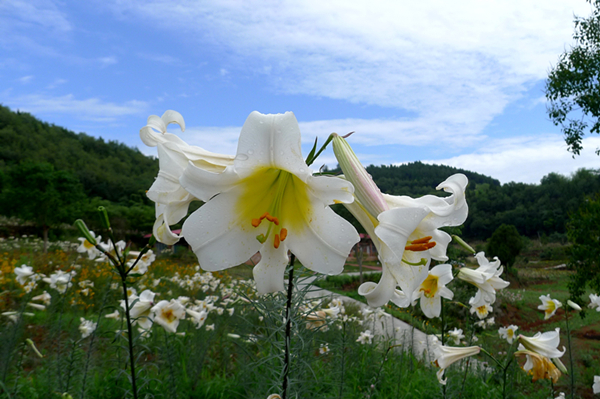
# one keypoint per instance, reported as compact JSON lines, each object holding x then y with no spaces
{"x":268,"y":201}
{"x":365,"y":337}
{"x":486,"y":278}
{"x":87,"y":327}
{"x":508,"y":333}
{"x":36,"y":306}
{"x":433,"y":288}
{"x":594,"y":302}
{"x":481,"y":309}
{"x":545,"y":344}
{"x":174,"y":154}
{"x":549,"y":306}
{"x":456,"y":334}
{"x":140,"y":312}
{"x":168,"y":314}
{"x":45,"y":298}
{"x":198,"y":318}
{"x":60,"y":281}
{"x":23,"y":273}
{"x":596,"y":386}
{"x":447,"y":355}
{"x":88,"y":247}
{"x":404,"y":230}
{"x":114,"y":315}
{"x":539,"y":366}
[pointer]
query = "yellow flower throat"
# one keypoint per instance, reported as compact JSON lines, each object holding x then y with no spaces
{"x":277,"y":196}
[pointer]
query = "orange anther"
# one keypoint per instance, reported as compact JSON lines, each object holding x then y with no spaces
{"x":420,"y":247}
{"x":265,"y":215}
{"x":423,"y":240}
{"x":256,"y":222}
{"x":276,"y":241}
{"x":283,"y":234}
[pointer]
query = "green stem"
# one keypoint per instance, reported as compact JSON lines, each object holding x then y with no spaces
{"x":129,"y":336}
{"x":288,"y":329}
{"x":571,"y":366}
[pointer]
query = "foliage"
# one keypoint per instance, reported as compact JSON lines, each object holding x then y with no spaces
{"x":583,"y":231}
{"x":573,"y":89}
{"x":36,"y":192}
{"x":506,"y":243}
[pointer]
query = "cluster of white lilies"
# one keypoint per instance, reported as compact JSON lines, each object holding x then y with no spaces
{"x":266,"y":199}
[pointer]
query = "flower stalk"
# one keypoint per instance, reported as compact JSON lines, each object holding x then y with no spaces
{"x":288,"y":329}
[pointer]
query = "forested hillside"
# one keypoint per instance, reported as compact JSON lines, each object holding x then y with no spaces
{"x":117,"y":176}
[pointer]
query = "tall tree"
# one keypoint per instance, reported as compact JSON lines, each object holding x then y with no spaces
{"x":36,"y":192}
{"x":573,"y":86}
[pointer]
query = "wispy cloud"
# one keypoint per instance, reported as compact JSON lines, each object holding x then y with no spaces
{"x":526,"y":159}
{"x":26,"y":79}
{"x":93,"y":109}
{"x":57,"y":82}
{"x":107,"y":61}
{"x":161,"y":58}
{"x":27,"y":13}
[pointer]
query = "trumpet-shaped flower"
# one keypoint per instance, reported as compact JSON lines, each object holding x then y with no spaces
{"x":545,"y":344}
{"x":87,"y":327}
{"x":549,"y":306}
{"x":45,"y":298}
{"x":268,"y":201}
{"x":486,"y":278}
{"x":174,"y":155}
{"x":88,"y":247}
{"x":23,"y":273}
{"x":60,"y":281}
{"x":594,"y":302}
{"x":168,"y":314}
{"x":596,"y":386}
{"x":365,"y":337}
{"x":482,"y":309}
{"x":447,"y":355}
{"x":508,"y":333}
{"x":433,"y":288}
{"x":540,"y":367}
{"x":404,"y":230}
{"x":456,"y":334}
{"x":140,"y":308}
{"x":198,"y":318}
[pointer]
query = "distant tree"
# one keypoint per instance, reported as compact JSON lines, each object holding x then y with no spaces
{"x":36,"y":192}
{"x":583,"y":231}
{"x":506,"y":243}
{"x":573,"y":86}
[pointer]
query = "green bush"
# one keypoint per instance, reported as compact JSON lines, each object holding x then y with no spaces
{"x":506,"y":243}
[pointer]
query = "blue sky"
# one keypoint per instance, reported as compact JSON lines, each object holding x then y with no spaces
{"x":457,"y":83}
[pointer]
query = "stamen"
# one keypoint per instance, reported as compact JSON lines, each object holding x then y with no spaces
{"x":276,"y":241}
{"x":261,"y":238}
{"x":423,"y":240}
{"x":420,"y":247}
{"x":256,"y":222}
{"x":273,"y":219}
{"x":283,"y":234}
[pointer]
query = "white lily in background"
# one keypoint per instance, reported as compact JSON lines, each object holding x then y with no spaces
{"x":540,"y":367}
{"x":433,"y":288}
{"x":482,"y":309}
{"x":545,"y":344}
{"x":198,"y":318}
{"x":23,"y":273}
{"x":268,"y":201}
{"x":404,"y":230}
{"x":88,"y":247}
{"x":549,"y":306}
{"x":45,"y":298}
{"x":508,"y":333}
{"x":594,"y":302}
{"x":60,"y":281}
{"x":174,"y":155}
{"x":114,"y":315}
{"x":596,"y":385}
{"x":87,"y":327}
{"x":141,"y":308}
{"x":486,"y":278}
{"x":168,"y":314}
{"x":456,"y":334}
{"x":447,"y":355}
{"x":365,"y":337}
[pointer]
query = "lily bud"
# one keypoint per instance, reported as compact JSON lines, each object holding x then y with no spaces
{"x":83,"y":229}
{"x":104,"y":217}
{"x":365,"y":189}
{"x":574,"y":305}
{"x":32,"y":346}
{"x":463,"y":244}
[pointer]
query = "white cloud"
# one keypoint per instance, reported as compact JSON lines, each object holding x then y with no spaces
{"x":27,"y":13}
{"x":87,"y":109}
{"x":162,"y":58}
{"x":526,"y":159}
{"x":25,"y":79}
{"x":452,"y":65}
{"x":106,"y":61}
{"x":57,"y":82}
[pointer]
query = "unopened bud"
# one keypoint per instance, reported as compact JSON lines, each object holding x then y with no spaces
{"x":83,"y":229}
{"x":463,"y":244}
{"x":104,"y":217}
{"x":574,"y":305}
{"x":32,"y":346}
